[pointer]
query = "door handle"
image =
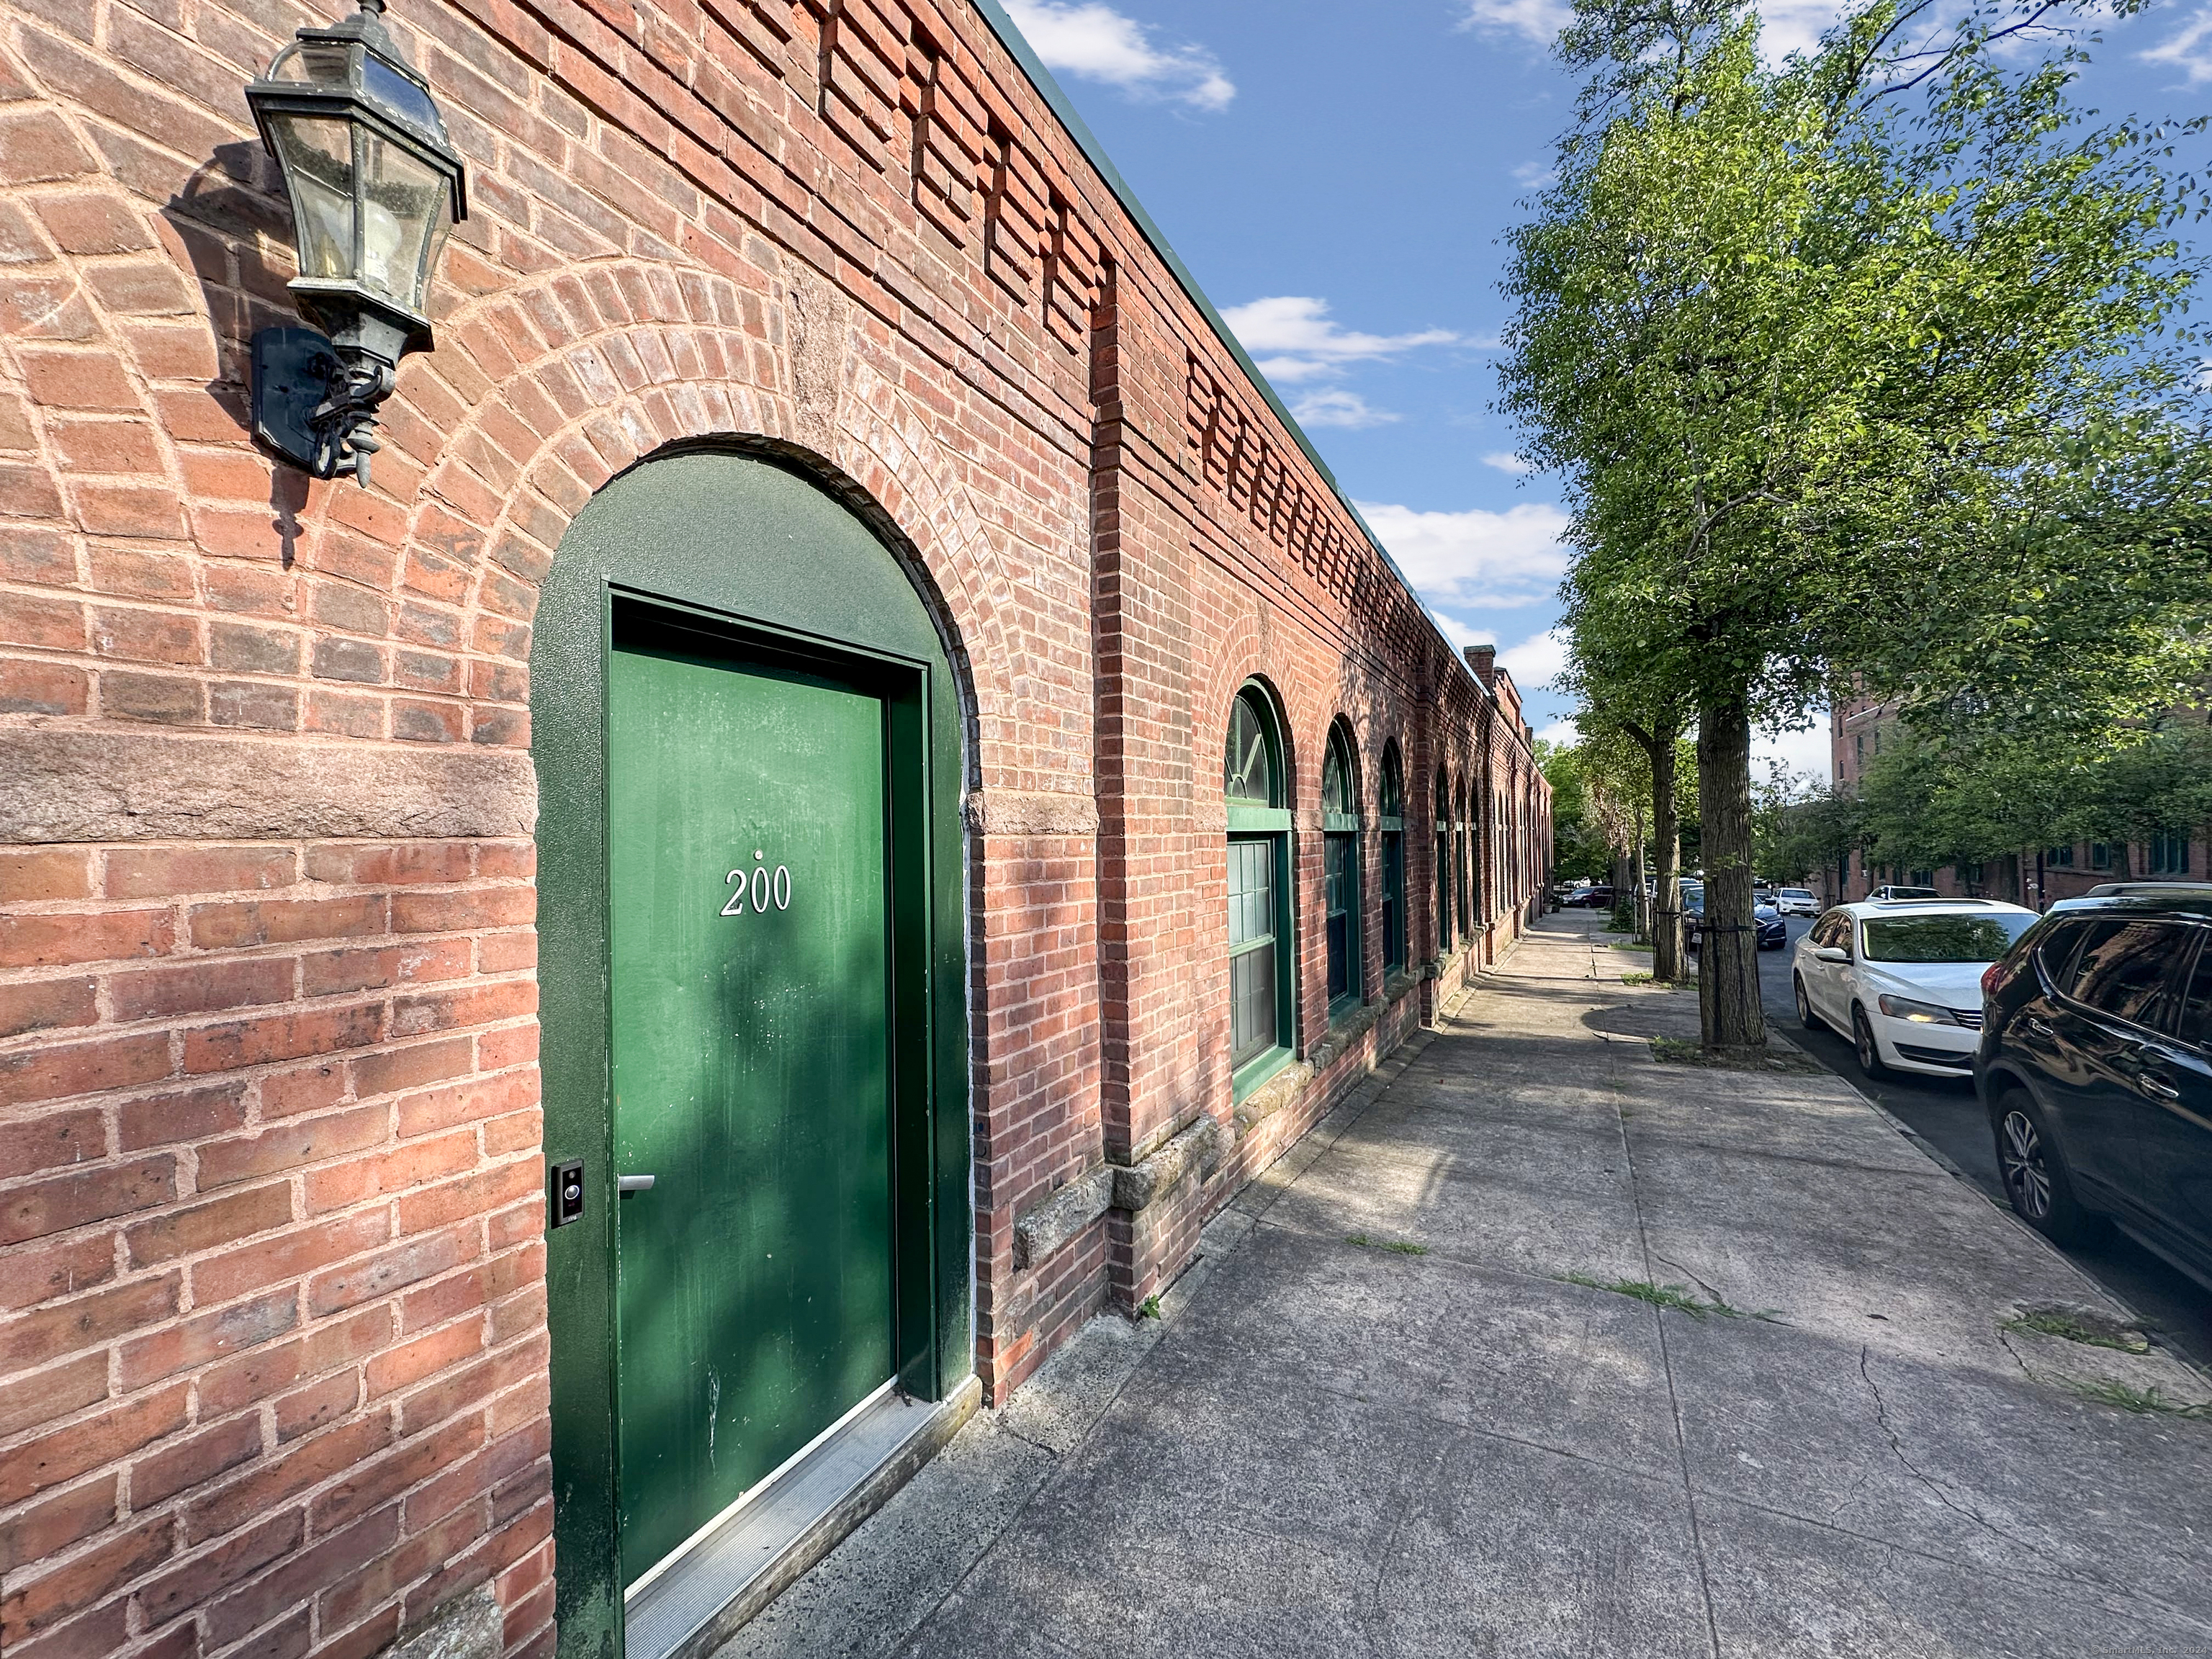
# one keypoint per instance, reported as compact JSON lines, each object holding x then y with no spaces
{"x":2038,"y":1027}
{"x":2151,"y":1085}
{"x":628,"y":1184}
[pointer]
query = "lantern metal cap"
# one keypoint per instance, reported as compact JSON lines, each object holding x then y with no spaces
{"x":399,"y":102}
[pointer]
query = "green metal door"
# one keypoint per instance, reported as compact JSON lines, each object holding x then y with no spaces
{"x":750,"y":927}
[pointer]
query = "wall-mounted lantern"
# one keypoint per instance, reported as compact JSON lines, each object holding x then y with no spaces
{"x":375,"y":186}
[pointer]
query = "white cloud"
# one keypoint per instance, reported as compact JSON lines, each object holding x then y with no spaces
{"x":2189,"y":49}
{"x":1506,"y":461}
{"x":1563,"y":732}
{"x":1535,"y":21}
{"x":1300,"y":341}
{"x":1537,"y":175}
{"x":1475,"y":557}
{"x":1787,"y":26}
{"x":1801,"y":751}
{"x":1536,"y":661}
{"x":1099,"y":44}
{"x":1337,"y":407}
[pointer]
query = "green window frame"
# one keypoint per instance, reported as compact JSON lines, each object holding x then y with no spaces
{"x":1463,"y":869}
{"x":1262,"y":1012}
{"x":1392,"y":818}
{"x":1344,"y":899}
{"x":1444,"y":935}
{"x":2169,"y":853}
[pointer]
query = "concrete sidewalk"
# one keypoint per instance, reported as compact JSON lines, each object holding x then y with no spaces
{"x":1330,"y":1446}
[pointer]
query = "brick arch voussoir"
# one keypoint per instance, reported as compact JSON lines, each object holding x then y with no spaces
{"x":1239,"y":656}
{"x":665,"y":379}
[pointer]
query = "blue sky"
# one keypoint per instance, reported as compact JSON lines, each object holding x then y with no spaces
{"x":1338,"y":178}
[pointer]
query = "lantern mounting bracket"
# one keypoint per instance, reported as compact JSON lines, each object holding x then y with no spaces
{"x":315,"y":406}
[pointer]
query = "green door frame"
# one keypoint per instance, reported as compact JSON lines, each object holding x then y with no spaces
{"x":744,"y":551}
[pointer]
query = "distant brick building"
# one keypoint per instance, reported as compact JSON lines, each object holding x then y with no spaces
{"x":2033,"y":876}
{"x":768,"y":732}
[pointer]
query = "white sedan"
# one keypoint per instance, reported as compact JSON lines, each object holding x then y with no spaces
{"x":1796,"y":901}
{"x":1902,"y":978}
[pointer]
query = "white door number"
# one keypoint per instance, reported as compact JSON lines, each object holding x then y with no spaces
{"x":758,"y":889}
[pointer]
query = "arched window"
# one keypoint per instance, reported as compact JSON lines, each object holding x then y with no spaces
{"x":1262,"y":1015}
{"x":1443,"y":864}
{"x":1341,"y":830}
{"x":1392,"y":820}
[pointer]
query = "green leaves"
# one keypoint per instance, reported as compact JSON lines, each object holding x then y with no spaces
{"x":1808,"y":353}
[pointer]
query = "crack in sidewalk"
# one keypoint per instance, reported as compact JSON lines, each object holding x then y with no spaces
{"x":1935,"y":1487}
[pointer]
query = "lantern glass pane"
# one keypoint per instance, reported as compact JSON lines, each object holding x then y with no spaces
{"x":318,"y":63}
{"x":317,"y":152}
{"x":396,"y":94}
{"x":403,"y":201}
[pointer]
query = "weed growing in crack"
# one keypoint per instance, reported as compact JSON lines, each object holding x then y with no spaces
{"x":1678,"y":1298}
{"x":1396,"y":1247}
{"x":2051,"y":1321}
{"x":1653,"y":979}
{"x":1151,"y":1309}
{"x":2142,"y":1401}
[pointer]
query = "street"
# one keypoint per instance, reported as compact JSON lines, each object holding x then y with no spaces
{"x":1543,"y":1344}
{"x":1945,"y":1115}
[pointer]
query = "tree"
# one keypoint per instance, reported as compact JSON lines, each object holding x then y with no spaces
{"x":1968,"y":793}
{"x":1579,"y":852}
{"x":1793,"y":337}
{"x":1800,"y":825}
{"x":1605,"y":670}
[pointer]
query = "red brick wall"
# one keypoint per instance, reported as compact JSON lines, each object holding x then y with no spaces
{"x":272,"y":1325}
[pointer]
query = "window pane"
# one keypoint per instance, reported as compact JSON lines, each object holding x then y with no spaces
{"x":1340,"y":865}
{"x":1943,"y":938}
{"x":2196,"y":1003}
{"x":2054,"y":950}
{"x":1248,"y":770}
{"x":1394,"y":900}
{"x":1336,"y":778}
{"x":1252,"y":1003}
{"x":2123,"y":966}
{"x":1251,"y":892}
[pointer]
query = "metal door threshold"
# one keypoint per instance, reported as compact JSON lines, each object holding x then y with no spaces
{"x":740,"y":1563}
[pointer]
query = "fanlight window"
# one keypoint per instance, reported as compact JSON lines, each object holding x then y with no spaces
{"x":1249,"y":769}
{"x":1336,"y":793}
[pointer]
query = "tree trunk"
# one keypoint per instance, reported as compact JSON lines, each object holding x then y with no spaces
{"x":1728,"y":977}
{"x":1665,"y":928}
{"x":1635,"y":882}
{"x":1667,"y":845}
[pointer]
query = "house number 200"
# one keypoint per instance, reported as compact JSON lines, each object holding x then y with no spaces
{"x":758,"y":889}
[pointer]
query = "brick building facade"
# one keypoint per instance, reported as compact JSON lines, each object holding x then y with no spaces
{"x":290,"y":1359}
{"x":2034,"y":875}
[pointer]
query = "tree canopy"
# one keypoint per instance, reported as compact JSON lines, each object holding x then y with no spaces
{"x":1810,"y":345}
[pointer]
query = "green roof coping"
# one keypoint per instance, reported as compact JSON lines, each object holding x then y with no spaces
{"x":1011,"y":37}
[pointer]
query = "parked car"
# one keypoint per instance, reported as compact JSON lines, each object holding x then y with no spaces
{"x":1902,"y":978}
{"x":1796,"y":901}
{"x":1589,"y":898}
{"x":1895,"y":892}
{"x":2095,"y":1067}
{"x":2104,"y":889}
{"x":1773,"y":933}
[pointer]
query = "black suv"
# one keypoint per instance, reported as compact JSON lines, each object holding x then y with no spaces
{"x":2095,"y":1067}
